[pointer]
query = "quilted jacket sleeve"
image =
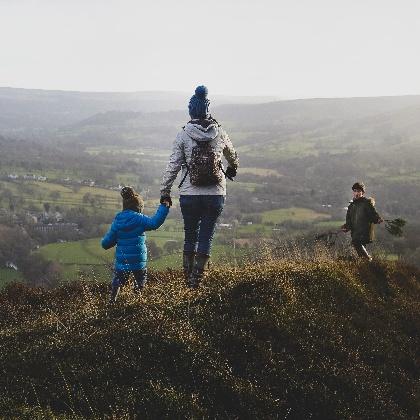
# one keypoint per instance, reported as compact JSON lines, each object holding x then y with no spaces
{"x":229,"y":152}
{"x":373,"y":214}
{"x":176,"y":160}
{"x":348,"y":225}
{"x":152,"y":223}
{"x":110,"y":238}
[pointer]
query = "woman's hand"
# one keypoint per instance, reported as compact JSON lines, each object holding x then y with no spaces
{"x":166,"y":200}
{"x":230,"y":172}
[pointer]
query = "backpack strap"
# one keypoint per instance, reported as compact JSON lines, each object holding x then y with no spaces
{"x":186,"y":164}
{"x":185,"y":176}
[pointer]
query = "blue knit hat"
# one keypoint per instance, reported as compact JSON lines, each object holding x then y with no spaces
{"x":199,"y":104}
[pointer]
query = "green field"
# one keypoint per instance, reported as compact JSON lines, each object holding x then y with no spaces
{"x":332,"y":224}
{"x":86,"y":252}
{"x":271,"y":218}
{"x":7,"y":275}
{"x":136,"y":153}
{"x":283,"y":150}
{"x":260,"y":172}
{"x":41,"y":192}
{"x":249,"y":186}
{"x":295,"y":214}
{"x":88,"y":257}
{"x":38,"y":193}
{"x":255,"y":229}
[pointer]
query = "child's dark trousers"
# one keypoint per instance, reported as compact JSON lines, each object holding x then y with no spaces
{"x":121,"y":277}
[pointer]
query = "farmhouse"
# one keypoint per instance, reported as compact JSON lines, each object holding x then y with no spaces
{"x":224,"y":226}
{"x":55,"y":227}
{"x":29,"y":177}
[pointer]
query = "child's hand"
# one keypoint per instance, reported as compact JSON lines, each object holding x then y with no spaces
{"x":166,"y":200}
{"x":167,"y":203}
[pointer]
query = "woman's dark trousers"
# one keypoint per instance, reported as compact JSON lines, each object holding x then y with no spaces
{"x":200,"y":213}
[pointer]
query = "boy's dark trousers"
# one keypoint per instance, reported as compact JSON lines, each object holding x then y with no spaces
{"x":361,"y":250}
{"x":121,"y":277}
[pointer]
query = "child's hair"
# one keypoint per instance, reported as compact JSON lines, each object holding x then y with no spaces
{"x":360,"y":186}
{"x":131,"y":200}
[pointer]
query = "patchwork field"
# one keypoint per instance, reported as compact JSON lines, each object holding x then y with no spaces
{"x":37,"y":193}
{"x":88,"y":257}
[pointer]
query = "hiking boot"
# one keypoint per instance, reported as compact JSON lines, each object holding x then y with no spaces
{"x":137,"y":289}
{"x":140,"y":280}
{"x":201,"y":265}
{"x":361,"y":251}
{"x":187,"y":264}
{"x":114,"y":293}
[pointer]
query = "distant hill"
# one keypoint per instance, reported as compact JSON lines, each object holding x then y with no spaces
{"x":323,"y":124}
{"x":264,"y":133}
{"x":27,"y":111}
{"x":280,"y":339}
{"x":305,"y":112}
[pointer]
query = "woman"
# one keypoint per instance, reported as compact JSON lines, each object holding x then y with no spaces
{"x":198,"y":151}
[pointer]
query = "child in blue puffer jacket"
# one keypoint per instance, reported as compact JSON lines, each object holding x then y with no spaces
{"x":127,"y":232}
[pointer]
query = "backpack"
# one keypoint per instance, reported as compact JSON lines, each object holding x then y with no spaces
{"x":205,"y":167}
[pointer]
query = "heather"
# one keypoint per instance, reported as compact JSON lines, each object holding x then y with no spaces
{"x":276,"y":338}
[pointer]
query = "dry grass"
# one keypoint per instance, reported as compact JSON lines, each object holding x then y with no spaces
{"x":291,"y":338}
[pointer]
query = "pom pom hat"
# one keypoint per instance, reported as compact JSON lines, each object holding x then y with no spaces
{"x":201,"y":92}
{"x":131,"y":200}
{"x":199,"y":104}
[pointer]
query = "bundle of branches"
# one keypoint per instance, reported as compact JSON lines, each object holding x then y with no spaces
{"x":394,"y":226}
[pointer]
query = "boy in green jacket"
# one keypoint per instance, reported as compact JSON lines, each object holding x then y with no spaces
{"x":360,"y":218}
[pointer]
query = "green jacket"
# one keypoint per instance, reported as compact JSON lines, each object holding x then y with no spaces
{"x":360,"y":218}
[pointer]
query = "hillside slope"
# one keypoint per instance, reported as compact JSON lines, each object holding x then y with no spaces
{"x":281,"y":339}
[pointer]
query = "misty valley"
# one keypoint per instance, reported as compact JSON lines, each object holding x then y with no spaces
{"x":62,"y":166}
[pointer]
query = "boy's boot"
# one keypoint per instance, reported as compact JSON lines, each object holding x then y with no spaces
{"x":114,"y":294}
{"x":187,"y":264}
{"x":140,"y":280}
{"x":361,"y":251}
{"x":201,"y":265}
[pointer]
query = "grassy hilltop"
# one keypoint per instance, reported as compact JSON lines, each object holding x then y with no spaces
{"x":277,"y":339}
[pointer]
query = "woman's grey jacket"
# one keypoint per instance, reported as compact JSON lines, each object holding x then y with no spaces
{"x":198,"y":131}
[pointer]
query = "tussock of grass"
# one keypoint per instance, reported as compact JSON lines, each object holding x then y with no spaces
{"x":275,"y":339}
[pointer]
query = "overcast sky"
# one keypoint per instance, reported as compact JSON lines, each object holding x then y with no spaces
{"x":286,"y":48}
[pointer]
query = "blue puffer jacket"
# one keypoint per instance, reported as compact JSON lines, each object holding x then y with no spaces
{"x":127,"y":232}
